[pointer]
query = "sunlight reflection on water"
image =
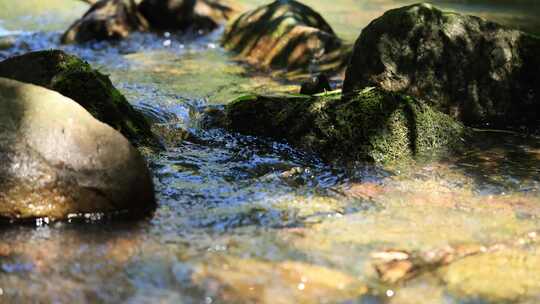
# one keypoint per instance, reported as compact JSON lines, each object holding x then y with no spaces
{"x":241,"y":203}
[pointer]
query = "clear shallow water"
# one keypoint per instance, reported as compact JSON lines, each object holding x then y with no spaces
{"x":244,"y":220}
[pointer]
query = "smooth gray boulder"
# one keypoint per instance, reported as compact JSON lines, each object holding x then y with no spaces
{"x":473,"y":69}
{"x":56,"y":160}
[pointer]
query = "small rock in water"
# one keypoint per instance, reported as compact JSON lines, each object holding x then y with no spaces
{"x":106,"y":20}
{"x":315,"y":85}
{"x":286,"y":35}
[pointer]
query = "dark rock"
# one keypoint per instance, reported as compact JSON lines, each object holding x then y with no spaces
{"x":470,"y":68}
{"x":213,"y":117}
{"x":56,"y":160}
{"x":185,"y":14}
{"x":7,"y":42}
{"x":106,"y":20}
{"x":316,"y":84}
{"x":74,"y":78}
{"x":373,"y":125}
{"x":286,"y":35}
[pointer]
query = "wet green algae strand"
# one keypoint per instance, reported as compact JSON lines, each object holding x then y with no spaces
{"x":76,"y":79}
{"x":372,"y":125}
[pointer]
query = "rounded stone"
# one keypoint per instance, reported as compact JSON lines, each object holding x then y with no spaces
{"x":56,"y":160}
{"x":477,"y":71}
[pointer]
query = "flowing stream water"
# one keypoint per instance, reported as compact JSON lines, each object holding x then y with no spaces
{"x":246,"y":220}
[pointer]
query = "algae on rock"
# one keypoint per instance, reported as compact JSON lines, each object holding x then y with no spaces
{"x":371,"y":125}
{"x":386,"y":126}
{"x":76,"y":79}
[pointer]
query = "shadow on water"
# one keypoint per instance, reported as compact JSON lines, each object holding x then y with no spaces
{"x":502,"y":162}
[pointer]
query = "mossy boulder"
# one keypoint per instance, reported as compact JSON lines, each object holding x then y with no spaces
{"x":372,"y":125}
{"x":57,"y":161}
{"x":106,"y":20}
{"x":197,"y":15}
{"x":76,"y":79}
{"x":475,"y":70}
{"x":285,"y":35}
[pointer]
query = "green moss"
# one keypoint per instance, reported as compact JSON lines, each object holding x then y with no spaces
{"x":372,"y":125}
{"x":330,"y":94}
{"x":271,"y":116}
{"x":379,"y":126}
{"x":434,"y":130}
{"x":72,"y":64}
{"x":116,"y":96}
{"x":247,"y":97}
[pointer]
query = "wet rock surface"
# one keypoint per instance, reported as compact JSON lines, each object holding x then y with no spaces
{"x":196,"y":15}
{"x":57,"y":160}
{"x":76,"y":79}
{"x":374,"y":125}
{"x":475,"y":70}
{"x":250,"y":280}
{"x":106,"y":20}
{"x":117,"y":19}
{"x":317,"y":84}
{"x":285,"y":35}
